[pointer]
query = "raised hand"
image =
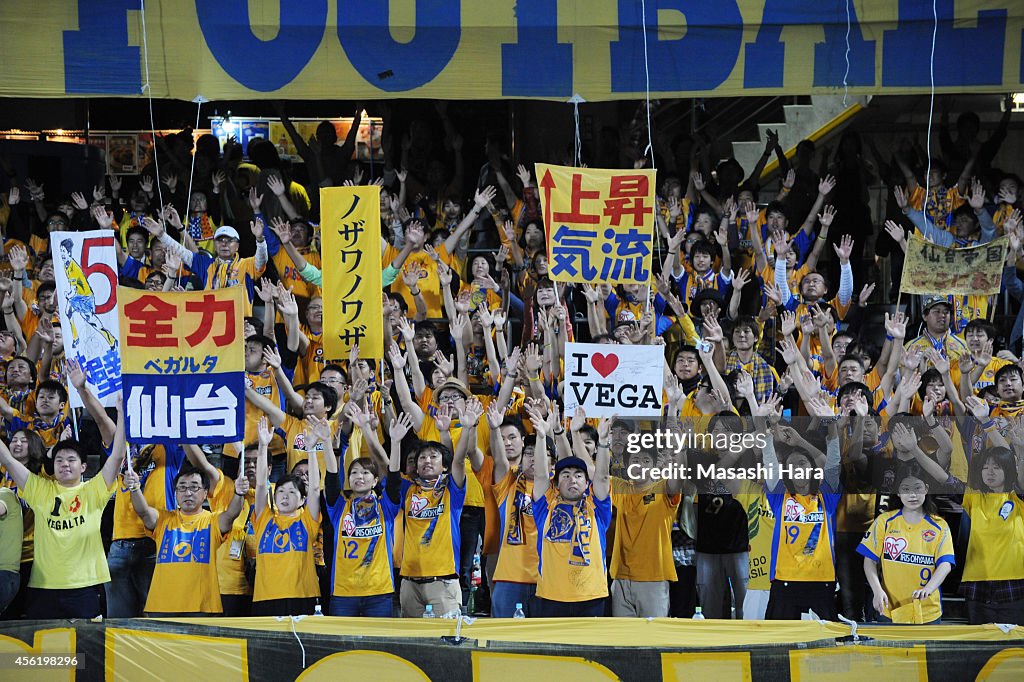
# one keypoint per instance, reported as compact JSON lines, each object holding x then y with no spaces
{"x":741,"y":278}
{"x":171,"y":216}
{"x":156,"y":229}
{"x":264,"y":431}
{"x":98,"y":194}
{"x":896,"y":325}
{"x":788,"y":319}
{"x":76,"y":375}
{"x":286,"y":303}
{"x":790,"y":179}
{"x":103,"y":220}
{"x":400,"y":427}
{"x":900,"y":195}
{"x":523,"y":174}
{"x":443,"y":418}
{"x":272,"y":357}
{"x":844,"y":249}
{"x":18,"y":258}
{"x":484,"y":196}
{"x":397,"y":358}
{"x":171,"y":181}
{"x":444,"y":363}
{"x":275,"y":184}
{"x":78,"y":201}
{"x":265,"y":290}
{"x":827,"y":184}
{"x":827,"y":216}
{"x":255,"y":200}
{"x":865,"y":294}
{"x":976,"y":198}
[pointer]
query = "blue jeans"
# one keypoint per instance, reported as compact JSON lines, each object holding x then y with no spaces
{"x":376,"y":606}
{"x":10,"y":583}
{"x":81,"y":602}
{"x":131,"y":564}
{"x":505,"y":596}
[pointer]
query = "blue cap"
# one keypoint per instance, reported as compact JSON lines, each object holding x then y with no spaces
{"x":572,"y":463}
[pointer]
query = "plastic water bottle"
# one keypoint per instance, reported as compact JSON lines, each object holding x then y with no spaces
{"x":697,"y":615}
{"x":318,"y":610}
{"x":519,"y":611}
{"x":429,"y":613}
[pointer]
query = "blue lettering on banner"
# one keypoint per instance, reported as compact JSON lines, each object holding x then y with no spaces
{"x":536,"y":65}
{"x":701,"y":59}
{"x":97,"y":57}
{"x":764,"y":65}
{"x":365,"y":34}
{"x":185,"y":546}
{"x":963,"y":56}
{"x":262,"y":65}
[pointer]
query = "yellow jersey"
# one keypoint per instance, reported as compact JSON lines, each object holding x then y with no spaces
{"x":803,"y":541}
{"x":517,"y":555}
{"x":642,"y":546}
{"x":760,"y":530}
{"x":571,"y":545}
{"x":150,"y":463}
{"x":431,"y":515}
{"x":185,"y":577}
{"x":284,"y":556}
{"x":364,"y":540}
{"x":995,"y":550}
{"x":909,"y":555}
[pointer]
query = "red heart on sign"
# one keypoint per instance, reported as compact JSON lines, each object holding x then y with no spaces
{"x":604,"y":364}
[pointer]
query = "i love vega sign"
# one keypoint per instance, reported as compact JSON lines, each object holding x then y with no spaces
{"x":608,"y":379}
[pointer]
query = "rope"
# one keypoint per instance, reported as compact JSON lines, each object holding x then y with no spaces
{"x":577,"y":149}
{"x":191,"y":173}
{"x":293,"y":620}
{"x":931,"y":113}
{"x":149,"y":95}
{"x":647,"y":82}
{"x":846,"y":75}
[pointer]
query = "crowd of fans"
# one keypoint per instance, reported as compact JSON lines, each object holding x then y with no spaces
{"x":448,"y":476}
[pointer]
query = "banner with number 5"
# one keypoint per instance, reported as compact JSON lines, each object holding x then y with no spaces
{"x":85,"y":270}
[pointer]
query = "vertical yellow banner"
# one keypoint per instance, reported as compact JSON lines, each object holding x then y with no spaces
{"x":352,"y":283}
{"x":600,"y":223}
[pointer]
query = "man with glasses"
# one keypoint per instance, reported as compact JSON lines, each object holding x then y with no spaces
{"x":187,"y":538}
{"x":937,"y":314}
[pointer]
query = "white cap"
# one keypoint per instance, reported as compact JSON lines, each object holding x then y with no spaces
{"x":226,"y":231}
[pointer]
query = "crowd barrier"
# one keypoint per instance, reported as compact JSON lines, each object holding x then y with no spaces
{"x":566,"y":650}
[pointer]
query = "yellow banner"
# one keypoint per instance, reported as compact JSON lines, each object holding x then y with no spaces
{"x":932,"y":269}
{"x":350,"y":229}
{"x":191,"y":332}
{"x":600,"y":223}
{"x":491,"y":49}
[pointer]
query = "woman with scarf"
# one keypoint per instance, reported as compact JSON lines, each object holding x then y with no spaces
{"x":362,"y":577}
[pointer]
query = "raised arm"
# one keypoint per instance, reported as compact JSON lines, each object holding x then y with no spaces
{"x":197,"y":458}
{"x":148,"y":514}
{"x":480,"y":200}
{"x":602,"y":476}
{"x":273,"y":412}
{"x":318,"y":430}
{"x":266,"y":434}
{"x":106,"y":425}
{"x":409,"y":405}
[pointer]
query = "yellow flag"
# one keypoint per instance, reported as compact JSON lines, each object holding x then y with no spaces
{"x":600,"y":223}
{"x":352,"y":282}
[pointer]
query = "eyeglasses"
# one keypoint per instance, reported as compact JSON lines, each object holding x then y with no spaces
{"x":188,"y":488}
